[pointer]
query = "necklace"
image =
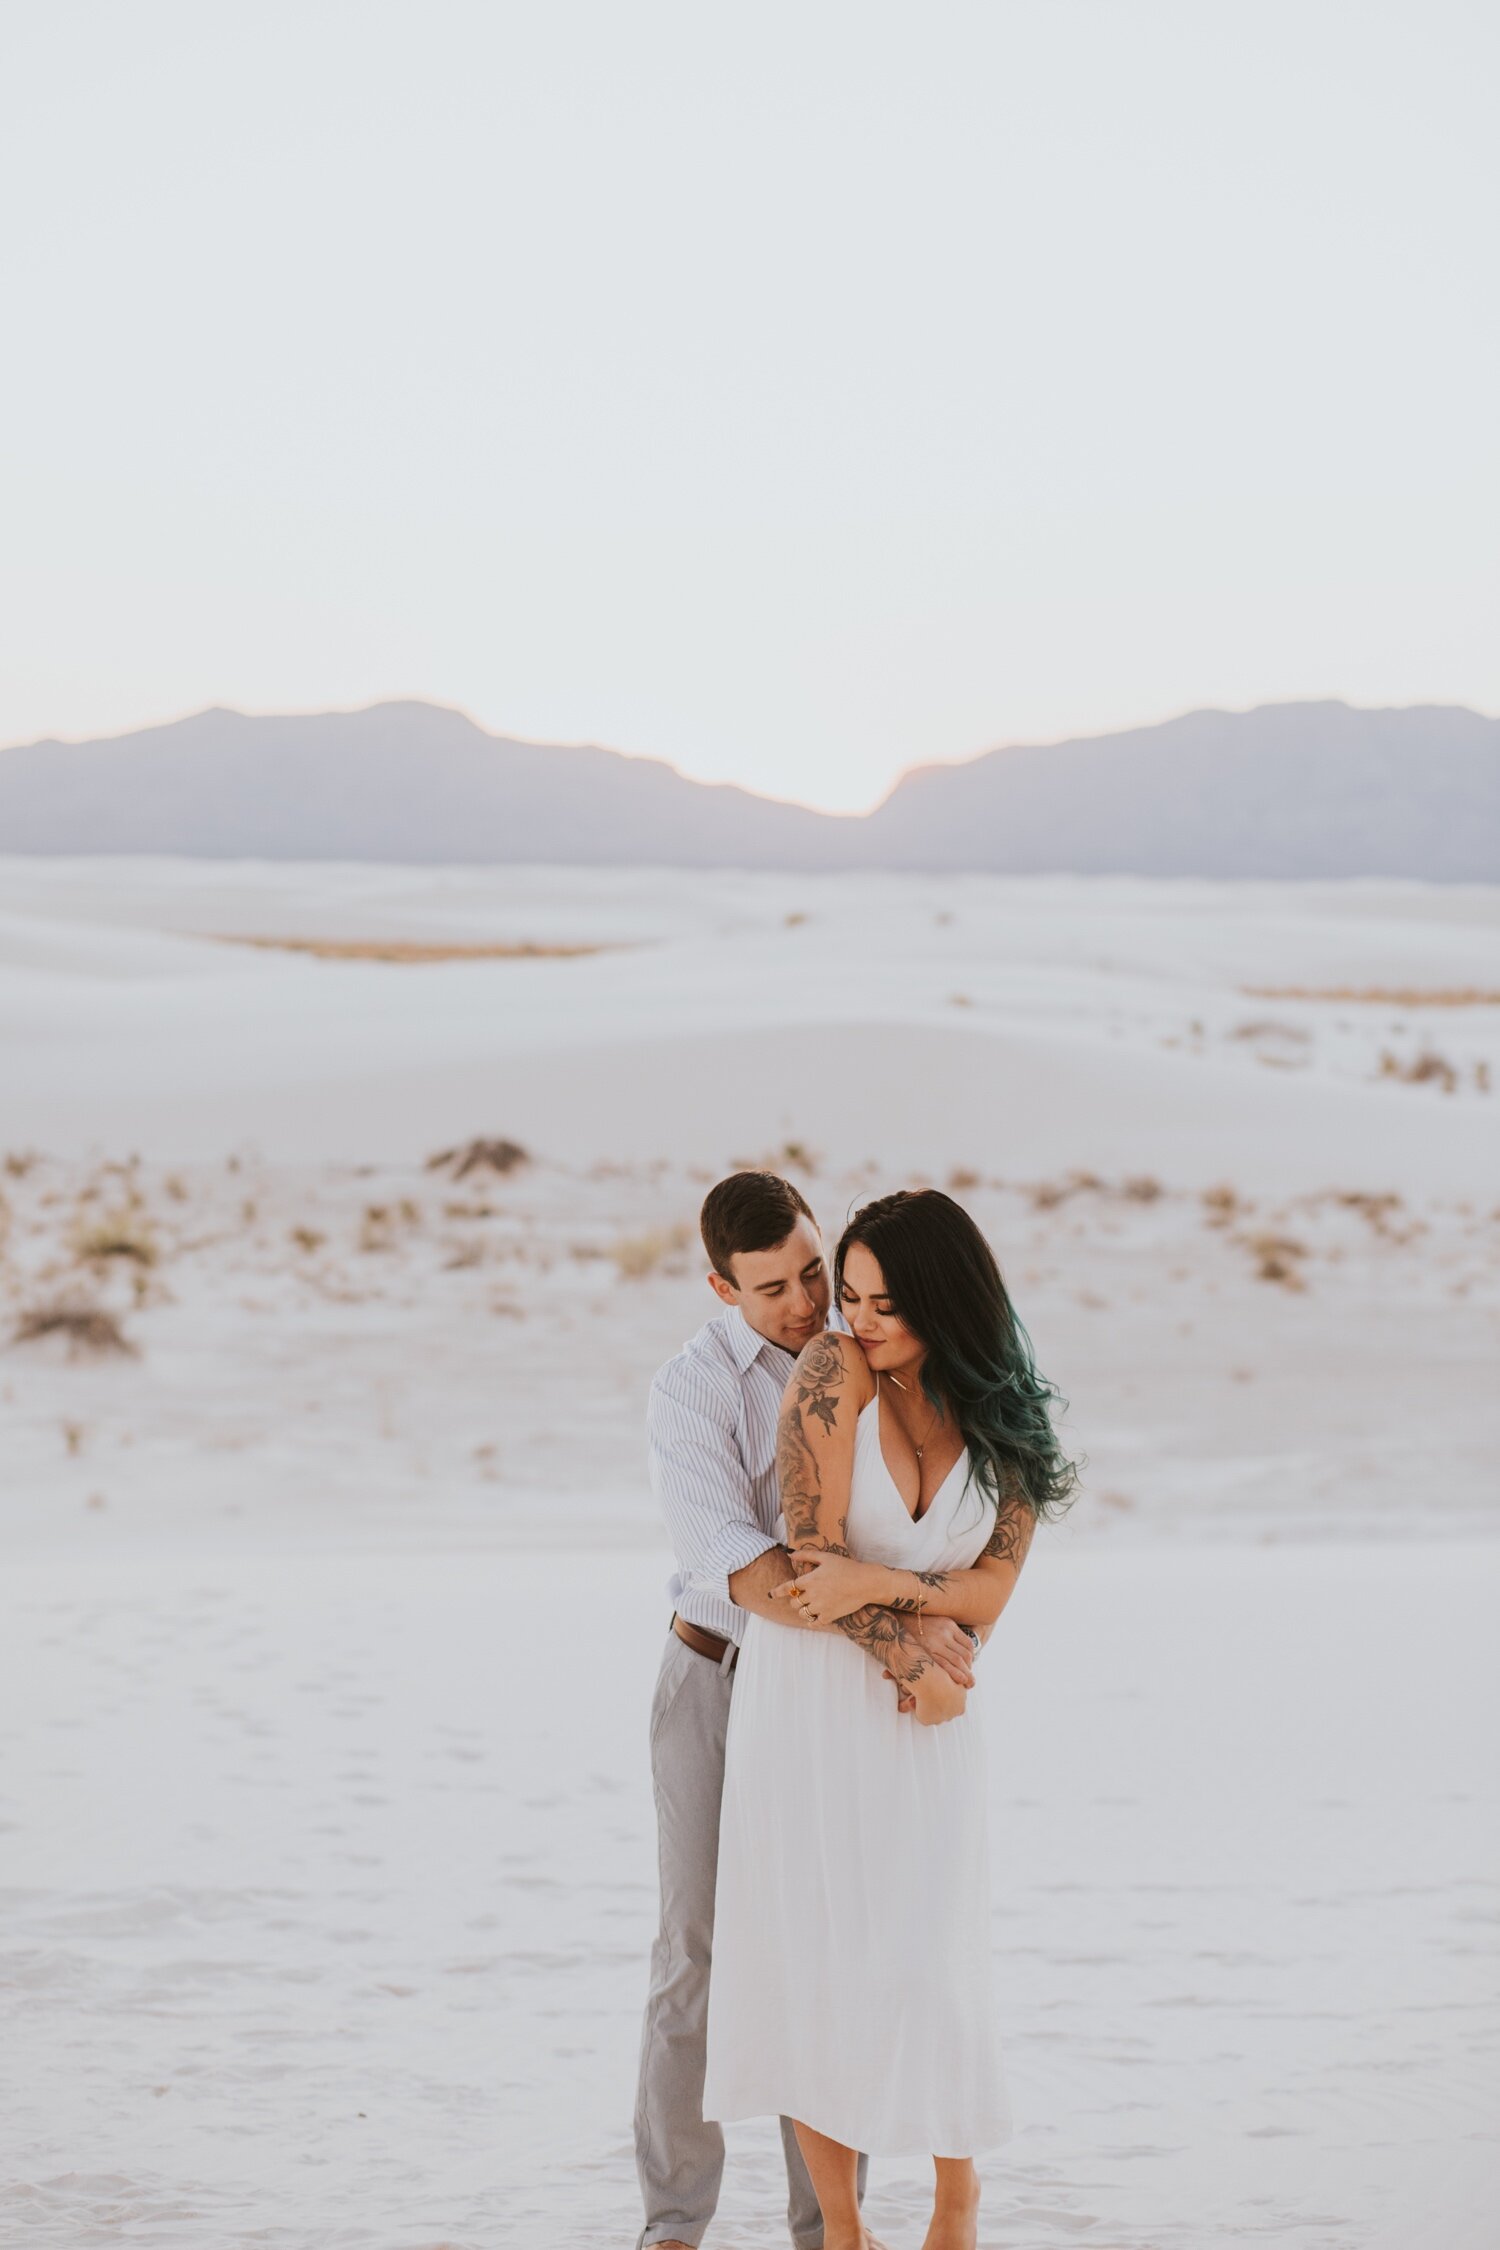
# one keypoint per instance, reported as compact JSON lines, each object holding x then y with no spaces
{"x":919,"y":1450}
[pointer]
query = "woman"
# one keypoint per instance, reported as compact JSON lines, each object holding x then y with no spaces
{"x":852,"y":1929}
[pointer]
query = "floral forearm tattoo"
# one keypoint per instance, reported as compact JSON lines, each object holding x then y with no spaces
{"x":882,"y":1635}
{"x":817,"y":1382}
{"x":1011,"y":1537}
{"x":817,"y":1394}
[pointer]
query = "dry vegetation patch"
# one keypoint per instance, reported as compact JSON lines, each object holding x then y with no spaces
{"x":500,"y":1156}
{"x":122,"y":1233}
{"x":1277,"y":1258}
{"x":1428,"y":1068}
{"x":1380,"y":995}
{"x":413,"y":952}
{"x":90,"y":1331}
{"x":660,"y":1248}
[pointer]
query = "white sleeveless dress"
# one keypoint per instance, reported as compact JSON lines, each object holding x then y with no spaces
{"x":851,"y":1983}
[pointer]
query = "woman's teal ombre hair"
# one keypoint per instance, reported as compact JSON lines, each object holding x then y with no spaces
{"x":942,"y":1280}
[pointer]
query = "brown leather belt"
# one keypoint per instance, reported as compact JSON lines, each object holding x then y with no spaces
{"x":704,"y":1644}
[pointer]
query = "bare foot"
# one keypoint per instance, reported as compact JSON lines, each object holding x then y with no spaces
{"x":955,"y":2227}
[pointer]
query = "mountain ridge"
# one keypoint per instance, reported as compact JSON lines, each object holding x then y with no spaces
{"x":1288,"y":789}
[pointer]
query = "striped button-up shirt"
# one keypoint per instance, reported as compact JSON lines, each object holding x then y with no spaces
{"x":711,"y":1441}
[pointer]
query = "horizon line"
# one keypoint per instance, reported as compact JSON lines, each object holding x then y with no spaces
{"x":763,"y":796}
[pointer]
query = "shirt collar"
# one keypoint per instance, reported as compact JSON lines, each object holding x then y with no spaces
{"x":745,"y":1345}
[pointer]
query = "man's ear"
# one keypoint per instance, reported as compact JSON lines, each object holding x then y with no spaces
{"x":725,"y":1290}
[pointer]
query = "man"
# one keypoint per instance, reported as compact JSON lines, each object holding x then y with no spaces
{"x":711,"y":1434}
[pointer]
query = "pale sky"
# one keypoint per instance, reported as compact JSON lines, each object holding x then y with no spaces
{"x":797,"y":392}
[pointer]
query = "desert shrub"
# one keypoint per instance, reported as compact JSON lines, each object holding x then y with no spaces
{"x":1428,"y":1068}
{"x":1277,"y":1258}
{"x":479,"y":1156}
{"x":122,"y":1233}
{"x":376,"y":1228}
{"x":89,"y":1330}
{"x":1045,"y":1195}
{"x":637,"y":1255}
{"x":1378,"y":1210}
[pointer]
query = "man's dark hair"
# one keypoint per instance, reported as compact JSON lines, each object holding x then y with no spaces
{"x":748,"y":1211}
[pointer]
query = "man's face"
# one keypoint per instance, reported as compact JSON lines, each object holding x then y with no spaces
{"x":783,"y":1293}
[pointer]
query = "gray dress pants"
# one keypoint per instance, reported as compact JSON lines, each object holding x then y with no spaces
{"x":679,"y":2156}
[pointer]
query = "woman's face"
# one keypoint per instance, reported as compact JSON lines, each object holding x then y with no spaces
{"x":887,"y":1343}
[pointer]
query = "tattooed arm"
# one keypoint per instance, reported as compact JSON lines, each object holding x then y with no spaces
{"x":815,"y":1462}
{"x":971,"y":1597}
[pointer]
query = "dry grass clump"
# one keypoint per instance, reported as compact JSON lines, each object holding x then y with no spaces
{"x":1277,"y":1258}
{"x":382,"y":1222}
{"x":795,"y":1154}
{"x":1380,"y":995}
{"x":411,"y":952}
{"x":122,"y":1233}
{"x":479,"y":1156}
{"x":1046,"y":1195}
{"x":1429,"y":1068}
{"x":90,"y":1331}
{"x":1220,"y":1205}
{"x":1378,"y":1210}
{"x":637,"y":1255}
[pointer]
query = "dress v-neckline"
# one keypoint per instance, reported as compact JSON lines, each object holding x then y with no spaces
{"x":963,"y":1455}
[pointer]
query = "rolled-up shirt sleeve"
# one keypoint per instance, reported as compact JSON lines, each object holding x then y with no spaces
{"x":699,"y":1478}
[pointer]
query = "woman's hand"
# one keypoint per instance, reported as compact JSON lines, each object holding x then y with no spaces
{"x":827,"y":1587}
{"x":936,"y":1698}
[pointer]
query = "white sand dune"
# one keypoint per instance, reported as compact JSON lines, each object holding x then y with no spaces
{"x":325,"y":1924}
{"x":1042,"y":1024}
{"x":329,"y":1615}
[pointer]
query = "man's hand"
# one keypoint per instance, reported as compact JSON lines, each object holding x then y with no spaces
{"x":951,"y":1651}
{"x":950,"y":1648}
